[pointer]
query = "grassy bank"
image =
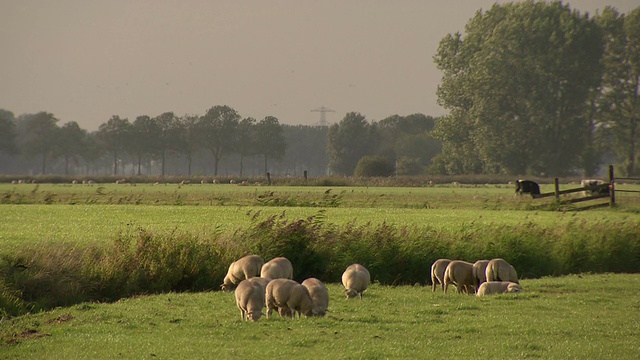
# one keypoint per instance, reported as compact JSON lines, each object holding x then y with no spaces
{"x":581,"y":316}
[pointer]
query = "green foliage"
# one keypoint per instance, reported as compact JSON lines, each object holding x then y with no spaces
{"x":374,"y":166}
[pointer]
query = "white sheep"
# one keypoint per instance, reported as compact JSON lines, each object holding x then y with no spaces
{"x":250,"y":299}
{"x":277,"y":268}
{"x":437,"y":273}
{"x":500,"y":270}
{"x":319,"y":294}
{"x":498,"y":287}
{"x":479,"y":271}
{"x":355,"y":280}
{"x":244,"y":268}
{"x":261,"y":281}
{"x":460,"y":274}
{"x":290,"y":298}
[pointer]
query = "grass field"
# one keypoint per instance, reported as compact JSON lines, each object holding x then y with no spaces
{"x":573,"y":317}
{"x":592,"y":316}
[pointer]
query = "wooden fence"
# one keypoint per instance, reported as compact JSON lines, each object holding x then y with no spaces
{"x":596,"y":191}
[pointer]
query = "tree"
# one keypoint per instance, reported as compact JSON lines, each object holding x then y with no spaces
{"x":269,"y":140}
{"x":517,"y":87}
{"x":142,"y":139}
{"x":71,"y":143}
{"x":7,"y":132}
{"x":348,"y":141}
{"x":620,"y":99}
{"x":186,"y":138}
{"x":246,"y":143}
{"x":113,"y":136}
{"x":168,"y":136}
{"x":371,"y":166}
{"x":41,"y":137}
{"x":217,"y":131}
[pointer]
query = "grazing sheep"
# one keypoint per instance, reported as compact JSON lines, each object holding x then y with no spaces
{"x":498,"y":287}
{"x":355,"y":280}
{"x":260,"y":281}
{"x":500,"y":270}
{"x":460,"y":274}
{"x":244,"y":268}
{"x":290,"y":298}
{"x":437,"y":273}
{"x":479,"y":271}
{"x":319,"y":294}
{"x":250,"y":299}
{"x":277,"y":268}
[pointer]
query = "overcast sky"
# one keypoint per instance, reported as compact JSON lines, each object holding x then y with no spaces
{"x":86,"y":60}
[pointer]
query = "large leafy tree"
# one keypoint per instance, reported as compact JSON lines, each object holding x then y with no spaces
{"x":168,"y":137}
{"x":217,"y":131}
{"x":517,"y":86}
{"x":72,"y":143}
{"x":113,"y":136}
{"x":348,"y":141}
{"x":269,"y":140}
{"x":42,"y":133}
{"x":620,"y":100}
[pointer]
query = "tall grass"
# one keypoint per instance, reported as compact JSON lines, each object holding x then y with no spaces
{"x":139,"y":261}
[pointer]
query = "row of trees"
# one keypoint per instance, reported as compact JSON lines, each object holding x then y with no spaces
{"x":220,"y":139}
{"x":536,"y":88}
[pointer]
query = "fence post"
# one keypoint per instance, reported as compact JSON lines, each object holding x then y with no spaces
{"x":612,"y":190}
{"x":556,"y":183}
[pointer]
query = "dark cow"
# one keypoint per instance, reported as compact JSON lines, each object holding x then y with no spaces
{"x":527,"y":187}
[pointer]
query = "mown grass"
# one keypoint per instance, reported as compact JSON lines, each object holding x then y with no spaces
{"x":578,"y":316}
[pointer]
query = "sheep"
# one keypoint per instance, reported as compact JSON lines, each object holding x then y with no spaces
{"x":250,"y":299}
{"x":277,"y":268}
{"x":319,"y":294}
{"x":479,"y":271}
{"x":460,"y":274}
{"x":355,"y":280}
{"x":290,"y":298}
{"x":244,"y":268}
{"x":500,"y":270}
{"x":260,"y":281}
{"x":437,"y":273}
{"x":498,"y":287}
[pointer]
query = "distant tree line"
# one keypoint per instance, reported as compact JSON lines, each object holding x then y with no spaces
{"x":219,"y":142}
{"x":531,"y":88}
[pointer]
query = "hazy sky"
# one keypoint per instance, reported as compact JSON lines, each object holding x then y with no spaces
{"x":86,"y":60}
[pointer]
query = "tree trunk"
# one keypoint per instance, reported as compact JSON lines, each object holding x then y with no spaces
{"x":265,"y":163}
{"x":115,"y":163}
{"x":44,"y":162}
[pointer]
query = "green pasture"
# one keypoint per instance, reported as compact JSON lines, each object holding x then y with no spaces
{"x":572,"y":317}
{"x":35,"y":213}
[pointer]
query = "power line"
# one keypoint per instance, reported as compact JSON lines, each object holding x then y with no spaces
{"x":323,"y":110}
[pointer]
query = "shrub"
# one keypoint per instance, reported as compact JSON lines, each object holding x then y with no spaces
{"x":374,"y":166}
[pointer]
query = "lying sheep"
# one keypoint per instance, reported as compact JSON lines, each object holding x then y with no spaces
{"x":479,"y":271}
{"x":244,"y":268}
{"x":319,"y":294}
{"x":437,"y":273}
{"x":290,"y":298}
{"x":355,"y":280}
{"x":277,"y":268}
{"x":498,"y":287}
{"x":500,"y":270}
{"x":460,"y":274}
{"x":250,"y":299}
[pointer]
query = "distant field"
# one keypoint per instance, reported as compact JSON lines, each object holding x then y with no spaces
{"x":88,"y":214}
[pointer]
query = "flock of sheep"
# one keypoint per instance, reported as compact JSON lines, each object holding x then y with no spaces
{"x":258,"y":284}
{"x":484,"y":277}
